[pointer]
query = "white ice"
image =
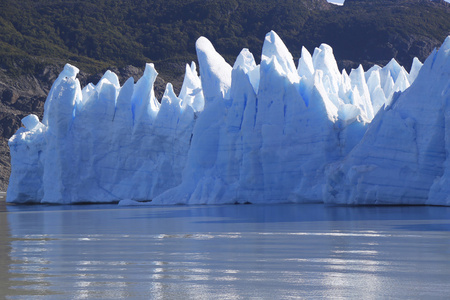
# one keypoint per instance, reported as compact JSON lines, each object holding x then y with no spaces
{"x":263,"y":133}
{"x":404,"y":155}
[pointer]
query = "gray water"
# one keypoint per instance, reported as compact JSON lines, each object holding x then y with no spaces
{"x":224,"y":252}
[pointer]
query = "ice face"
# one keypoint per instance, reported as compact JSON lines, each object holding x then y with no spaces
{"x":248,"y":133}
{"x":305,"y":64}
{"x":31,"y":122}
{"x":69,"y":71}
{"x":403,"y":157}
{"x":215,"y":72}
{"x":26,"y":146}
{"x":102,"y":144}
{"x":274,"y":48}
{"x":191,"y":91}
{"x":415,"y":68}
{"x":361,"y":90}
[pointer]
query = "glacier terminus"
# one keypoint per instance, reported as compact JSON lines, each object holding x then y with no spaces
{"x":268,"y":133}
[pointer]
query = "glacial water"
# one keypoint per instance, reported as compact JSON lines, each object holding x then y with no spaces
{"x":224,"y":252}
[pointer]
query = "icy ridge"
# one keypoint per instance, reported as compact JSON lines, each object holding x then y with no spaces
{"x":247,"y":133}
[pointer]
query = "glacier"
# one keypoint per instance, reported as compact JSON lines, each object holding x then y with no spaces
{"x":404,"y":155}
{"x":261,"y":133}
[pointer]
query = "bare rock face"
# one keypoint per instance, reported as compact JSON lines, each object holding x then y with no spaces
{"x":10,"y":96}
{"x":5,"y":164}
{"x":9,"y":123}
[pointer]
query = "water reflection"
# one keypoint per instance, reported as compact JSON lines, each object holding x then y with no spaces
{"x":243,"y":251}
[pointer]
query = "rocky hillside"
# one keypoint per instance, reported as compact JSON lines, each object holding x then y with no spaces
{"x":38,"y":36}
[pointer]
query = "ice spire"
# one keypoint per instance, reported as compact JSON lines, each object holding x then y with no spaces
{"x":305,"y":64}
{"x":215,"y":72}
{"x":191,"y":91}
{"x":274,"y":47}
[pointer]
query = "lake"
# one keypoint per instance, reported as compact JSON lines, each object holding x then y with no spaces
{"x":224,"y":252}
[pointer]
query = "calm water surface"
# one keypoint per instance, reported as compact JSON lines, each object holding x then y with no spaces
{"x":224,"y":252}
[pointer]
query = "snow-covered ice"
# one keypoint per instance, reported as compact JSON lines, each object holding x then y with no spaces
{"x":263,"y":133}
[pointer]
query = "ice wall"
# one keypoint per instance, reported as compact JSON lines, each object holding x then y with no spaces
{"x":247,"y":133}
{"x":269,"y":134}
{"x":404,"y":155}
{"x":103,"y":143}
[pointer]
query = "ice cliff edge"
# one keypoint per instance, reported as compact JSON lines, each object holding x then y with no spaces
{"x":263,"y":133}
